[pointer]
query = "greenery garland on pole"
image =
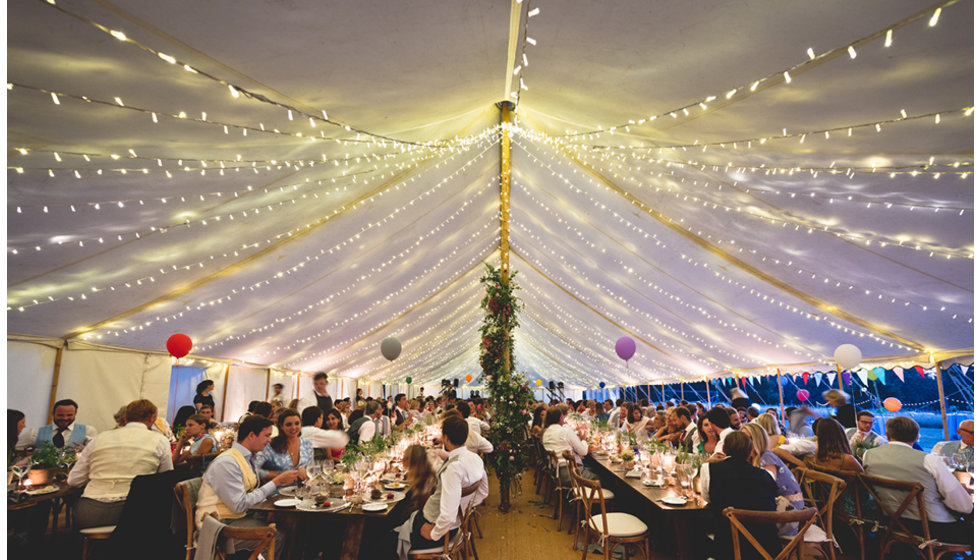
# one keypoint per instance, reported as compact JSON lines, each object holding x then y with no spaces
{"x":509,"y":394}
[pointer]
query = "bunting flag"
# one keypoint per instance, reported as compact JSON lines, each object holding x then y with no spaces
{"x":921,"y":371}
{"x":806,"y":377}
{"x":818,"y":377}
{"x":863,"y":376}
{"x":900,"y":372}
{"x":880,"y":372}
{"x":831,"y":376}
{"x":846,"y":377}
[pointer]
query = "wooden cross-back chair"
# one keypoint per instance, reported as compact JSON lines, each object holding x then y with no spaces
{"x":580,"y":510}
{"x":461,"y":544}
{"x":558,"y":489}
{"x":609,"y":529}
{"x":898,"y":529}
{"x":858,"y":521}
{"x":738,"y":517}
{"x":186,"y":493}
{"x":821,"y":490}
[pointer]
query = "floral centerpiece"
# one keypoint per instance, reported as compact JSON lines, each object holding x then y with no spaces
{"x":628,"y":458}
{"x":510,"y":396}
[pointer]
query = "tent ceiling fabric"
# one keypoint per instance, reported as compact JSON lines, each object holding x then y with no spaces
{"x":761,"y":218}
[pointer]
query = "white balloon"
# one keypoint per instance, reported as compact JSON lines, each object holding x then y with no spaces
{"x":847,"y":356}
{"x":391,"y":348}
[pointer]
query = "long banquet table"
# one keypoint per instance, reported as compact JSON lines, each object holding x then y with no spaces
{"x":682,"y":521}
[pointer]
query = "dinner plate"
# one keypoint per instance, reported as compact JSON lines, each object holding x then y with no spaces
{"x":396,"y":497}
{"x":652,"y":483}
{"x":335,"y":505}
{"x":45,"y":490}
{"x":374,"y":506}
{"x":394,"y":485}
{"x":288,"y":490}
{"x":675,"y":500}
{"x":287,"y":503}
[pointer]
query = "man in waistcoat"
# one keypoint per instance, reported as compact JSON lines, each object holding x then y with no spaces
{"x":864,"y":432}
{"x":944,"y":497}
{"x":109,"y":464}
{"x":231,"y":486}
{"x":463,"y":468}
{"x":318,"y":396}
{"x":964,"y":447}
{"x":64,"y":431}
{"x":363,"y":429}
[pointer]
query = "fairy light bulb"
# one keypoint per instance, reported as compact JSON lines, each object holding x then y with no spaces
{"x":935,"y":17}
{"x":888,"y":39}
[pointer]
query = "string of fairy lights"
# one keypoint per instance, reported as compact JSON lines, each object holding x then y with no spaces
{"x":782,"y":76}
{"x":638,"y":277}
{"x":325,"y":252}
{"x":235,"y":90}
{"x":523,"y":62}
{"x":714,"y":269}
{"x":789,"y":263}
{"x":867,"y":238}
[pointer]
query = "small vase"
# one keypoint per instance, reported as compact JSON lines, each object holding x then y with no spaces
{"x":628,"y":465}
{"x":39,"y":477}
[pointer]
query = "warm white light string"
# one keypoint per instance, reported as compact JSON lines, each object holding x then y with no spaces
{"x":690,"y":260}
{"x":558,"y":364}
{"x":484,"y":250}
{"x":778,"y":77}
{"x":556,"y":218}
{"x":522,"y":64}
{"x":325,"y":251}
{"x":868,"y":239}
{"x":235,"y":90}
{"x":786,"y":262}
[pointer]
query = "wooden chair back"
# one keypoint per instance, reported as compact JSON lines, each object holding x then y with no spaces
{"x":553,"y":469}
{"x":821,"y":490}
{"x":186,"y":492}
{"x":859,"y":521}
{"x":738,"y":517}
{"x":266,"y":537}
{"x":591,"y":495}
{"x":453,"y":546}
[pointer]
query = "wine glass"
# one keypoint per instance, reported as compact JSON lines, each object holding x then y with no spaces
{"x":19,"y":471}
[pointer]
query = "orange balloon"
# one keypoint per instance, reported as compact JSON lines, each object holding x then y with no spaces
{"x":469,"y":378}
{"x":892,"y":404}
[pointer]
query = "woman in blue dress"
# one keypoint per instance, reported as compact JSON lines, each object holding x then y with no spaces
{"x":790,"y":496}
{"x":287,"y":450}
{"x":197,"y":434}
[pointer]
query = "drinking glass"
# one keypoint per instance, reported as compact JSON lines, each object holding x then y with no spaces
{"x":19,"y":471}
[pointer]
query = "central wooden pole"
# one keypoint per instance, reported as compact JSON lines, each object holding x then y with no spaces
{"x":506,"y":124}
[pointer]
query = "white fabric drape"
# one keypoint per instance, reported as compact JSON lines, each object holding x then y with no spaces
{"x":245,"y":384}
{"x":30,"y":369}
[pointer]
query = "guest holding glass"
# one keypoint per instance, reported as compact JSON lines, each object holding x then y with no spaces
{"x":197,"y":433}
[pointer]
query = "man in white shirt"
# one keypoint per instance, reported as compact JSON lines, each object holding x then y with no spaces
{"x":312,"y":420}
{"x":617,"y":416}
{"x":364,"y":428}
{"x":64,"y":431}
{"x":476,"y":425}
{"x":318,"y":396}
{"x":559,"y":438}
{"x":719,"y":421}
{"x":964,"y":447}
{"x":108,"y":465}
{"x":864,"y":431}
{"x":944,"y":497}
{"x":463,"y":468}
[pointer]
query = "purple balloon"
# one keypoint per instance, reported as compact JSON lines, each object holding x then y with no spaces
{"x":846,"y":377}
{"x":625,"y":348}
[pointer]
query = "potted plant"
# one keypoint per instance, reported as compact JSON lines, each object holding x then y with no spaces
{"x":628,"y":459}
{"x":44,"y":460}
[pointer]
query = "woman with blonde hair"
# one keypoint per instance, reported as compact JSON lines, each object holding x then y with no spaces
{"x":790,"y":497}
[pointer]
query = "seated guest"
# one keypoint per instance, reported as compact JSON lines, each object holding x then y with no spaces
{"x":790,"y":496}
{"x":607,"y":406}
{"x":249,"y":411}
{"x":680,"y":432}
{"x":787,"y":450}
{"x":474,"y":441}
{"x":719,"y":421}
{"x":207,"y":410}
{"x":333,"y":438}
{"x":708,"y":437}
{"x":537,"y":420}
{"x":475,"y":424}
{"x":64,"y":431}
{"x":963,"y":447}
{"x":230,"y":485}
{"x":559,"y":438}
{"x":833,"y":449}
{"x":15,"y":425}
{"x":619,"y":415}
{"x":734,"y":418}
{"x":362,"y":422}
{"x":420,"y":477}
{"x":287,"y":451}
{"x":183,"y":413}
{"x":735,"y":482}
{"x":463,"y":468}
{"x":944,"y":497}
{"x":751,"y":413}
{"x":863,"y":432}
{"x":108,"y":465}
{"x":197,"y":433}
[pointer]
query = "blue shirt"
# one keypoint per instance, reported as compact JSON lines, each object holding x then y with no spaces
{"x":268,"y":460}
{"x":224,"y":476}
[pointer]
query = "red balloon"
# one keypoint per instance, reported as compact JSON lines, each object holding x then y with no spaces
{"x":179,"y":345}
{"x":803,"y":394}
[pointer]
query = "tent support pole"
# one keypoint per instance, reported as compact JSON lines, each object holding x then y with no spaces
{"x":268,"y":380}
{"x":663,"y":393}
{"x":782,"y":409}
{"x":707,"y":390}
{"x":942,"y":400}
{"x":224,"y":392}
{"x":840,"y":379}
{"x":682,"y":390}
{"x":54,"y":380}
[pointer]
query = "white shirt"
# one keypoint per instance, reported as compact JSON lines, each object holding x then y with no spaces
{"x":466,"y":470}
{"x":309,"y":400}
{"x":477,"y":443}
{"x":28,"y":437}
{"x":116,"y":457}
{"x":477,"y":425}
{"x":614,"y":418}
{"x":720,"y":448}
{"x":692,"y":427}
{"x":558,"y":439}
{"x":954,"y":496}
{"x":324,"y":439}
{"x":366,"y":431}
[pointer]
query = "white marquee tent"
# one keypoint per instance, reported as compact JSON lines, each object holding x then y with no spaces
{"x":737,"y":186}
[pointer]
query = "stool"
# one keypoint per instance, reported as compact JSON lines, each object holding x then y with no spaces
{"x":94,"y":534}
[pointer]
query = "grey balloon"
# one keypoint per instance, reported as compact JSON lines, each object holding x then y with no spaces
{"x":391,"y":348}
